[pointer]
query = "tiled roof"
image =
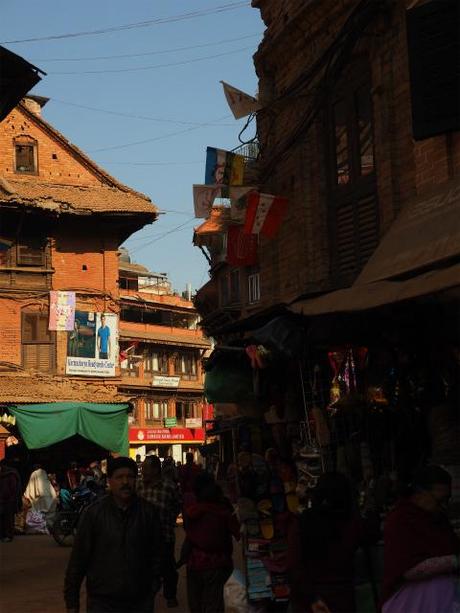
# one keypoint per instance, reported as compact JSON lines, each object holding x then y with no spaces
{"x":73,"y":199}
{"x":25,"y":387}
{"x":217,"y":221}
{"x":165,"y":338}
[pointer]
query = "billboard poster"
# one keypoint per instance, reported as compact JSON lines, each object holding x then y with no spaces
{"x":92,"y":345}
{"x":62,"y":311}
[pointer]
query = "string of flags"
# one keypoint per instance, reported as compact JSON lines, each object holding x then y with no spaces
{"x":251,"y":212}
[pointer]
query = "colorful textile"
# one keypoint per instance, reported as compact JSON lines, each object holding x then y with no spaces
{"x":435,"y":595}
{"x":264,"y":214}
{"x":62,"y":311}
{"x":241,"y":247}
{"x":223,"y":167}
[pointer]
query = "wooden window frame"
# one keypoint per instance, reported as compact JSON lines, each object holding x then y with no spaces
{"x":149,"y":355}
{"x":360,"y":188}
{"x":48,"y":341}
{"x":163,"y":410}
{"x":254,"y":288}
{"x":24,"y":141}
{"x":181,"y":356}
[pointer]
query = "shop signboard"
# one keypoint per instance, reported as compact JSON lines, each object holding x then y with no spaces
{"x":92,"y":345}
{"x":166,"y":435}
{"x":62,"y":311}
{"x":194,"y":422}
{"x":165,"y":381}
{"x":170,"y":422}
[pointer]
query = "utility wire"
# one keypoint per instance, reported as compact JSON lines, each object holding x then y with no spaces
{"x":153,"y":163}
{"x":161,"y":236}
{"x":143,"y":117}
{"x":148,"y":140}
{"x":152,"y":67}
{"x":132,"y":26}
{"x":147,"y":53}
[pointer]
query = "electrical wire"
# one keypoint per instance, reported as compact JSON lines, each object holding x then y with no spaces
{"x":148,"y":140}
{"x":142,"y":117}
{"x":147,"y":53}
{"x":161,"y":236}
{"x":132,"y":26}
{"x":152,"y":163}
{"x":152,"y":67}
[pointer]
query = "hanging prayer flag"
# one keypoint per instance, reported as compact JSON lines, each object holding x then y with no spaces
{"x":203,"y":199}
{"x":62,"y":311}
{"x":241,"y":248}
{"x":240,"y":103}
{"x":264,"y":214}
{"x":223,"y":167}
{"x":204,"y":196}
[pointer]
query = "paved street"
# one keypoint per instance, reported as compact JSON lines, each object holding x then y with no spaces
{"x":32,"y":574}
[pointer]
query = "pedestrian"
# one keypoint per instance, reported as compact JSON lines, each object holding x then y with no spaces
{"x":168,"y":470}
{"x":187,"y":475}
{"x":40,"y":492}
{"x":210,"y":526}
{"x":164,"y":495}
{"x":73,"y":476}
{"x":421,"y":550}
{"x":322,"y":544}
{"x":9,"y":506}
{"x":117,"y":549}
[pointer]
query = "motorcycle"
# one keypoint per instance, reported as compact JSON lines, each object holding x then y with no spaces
{"x":71,"y":506}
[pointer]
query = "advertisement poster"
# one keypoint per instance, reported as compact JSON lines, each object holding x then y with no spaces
{"x":92,"y":345}
{"x":62,"y":311}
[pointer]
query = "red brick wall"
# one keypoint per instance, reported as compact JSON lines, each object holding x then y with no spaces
{"x":297,"y":261}
{"x":65,"y":169}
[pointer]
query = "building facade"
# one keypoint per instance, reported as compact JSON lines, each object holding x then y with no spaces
{"x":62,"y":219}
{"x":353,"y":132}
{"x":162,"y":349}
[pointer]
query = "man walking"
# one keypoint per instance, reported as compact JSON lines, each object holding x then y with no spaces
{"x":117,"y":548}
{"x":164,"y":494}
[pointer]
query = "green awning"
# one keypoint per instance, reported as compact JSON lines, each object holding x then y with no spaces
{"x":42,"y":425}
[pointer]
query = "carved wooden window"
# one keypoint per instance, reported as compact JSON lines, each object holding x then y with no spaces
{"x":38,"y":343}
{"x":353,"y":207}
{"x":25,"y":155}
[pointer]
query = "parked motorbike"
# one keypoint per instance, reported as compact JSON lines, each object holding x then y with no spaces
{"x":71,"y":506}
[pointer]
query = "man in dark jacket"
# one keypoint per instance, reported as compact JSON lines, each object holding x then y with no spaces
{"x":117,"y":548}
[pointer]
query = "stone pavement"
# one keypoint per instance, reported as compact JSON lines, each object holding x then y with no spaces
{"x":32,"y":576}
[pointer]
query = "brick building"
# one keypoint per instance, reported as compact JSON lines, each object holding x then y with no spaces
{"x":358,"y":127}
{"x":359,"y":123}
{"x":62,"y":219}
{"x":161,"y":349}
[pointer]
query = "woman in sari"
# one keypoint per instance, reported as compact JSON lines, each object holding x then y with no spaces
{"x":421,"y":549}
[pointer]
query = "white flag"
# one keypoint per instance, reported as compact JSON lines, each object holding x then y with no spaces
{"x":203,"y":199}
{"x":240,"y":103}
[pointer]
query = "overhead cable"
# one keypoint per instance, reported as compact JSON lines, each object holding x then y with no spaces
{"x":147,"y":53}
{"x":132,"y":26}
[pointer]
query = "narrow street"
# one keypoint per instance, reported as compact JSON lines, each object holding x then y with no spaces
{"x":32,"y":576}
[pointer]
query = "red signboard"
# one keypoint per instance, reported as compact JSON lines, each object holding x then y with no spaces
{"x":166,"y":435}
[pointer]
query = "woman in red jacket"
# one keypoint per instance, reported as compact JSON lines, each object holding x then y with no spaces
{"x":210,"y":526}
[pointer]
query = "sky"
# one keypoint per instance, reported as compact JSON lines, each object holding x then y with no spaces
{"x":166,"y":85}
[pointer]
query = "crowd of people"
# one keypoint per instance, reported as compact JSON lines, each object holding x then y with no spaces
{"x":125,"y":542}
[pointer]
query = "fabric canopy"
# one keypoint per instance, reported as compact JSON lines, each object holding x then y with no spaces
{"x":42,"y":425}
{"x":372,"y":295}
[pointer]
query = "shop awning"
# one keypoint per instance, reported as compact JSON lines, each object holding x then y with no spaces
{"x":364,"y":296}
{"x":164,"y":338}
{"x":425,"y":233}
{"x":42,"y":425}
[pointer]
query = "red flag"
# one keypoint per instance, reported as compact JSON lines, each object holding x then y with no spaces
{"x":264,"y":214}
{"x":241,"y":247}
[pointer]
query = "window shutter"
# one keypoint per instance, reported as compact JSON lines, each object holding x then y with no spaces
{"x":29,"y":255}
{"x":367,"y":228}
{"x":433,"y":35}
{"x":38,"y":357}
{"x":345,"y":239}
